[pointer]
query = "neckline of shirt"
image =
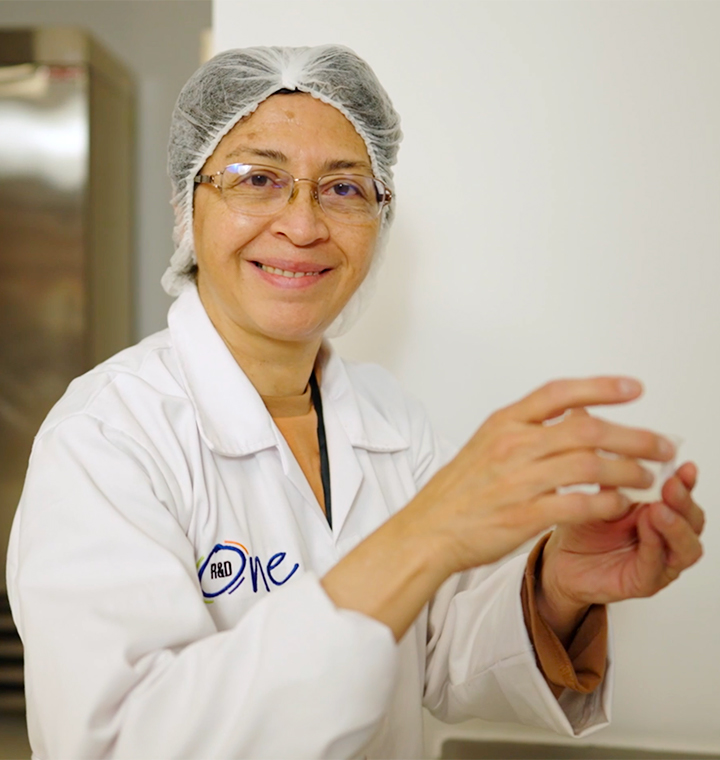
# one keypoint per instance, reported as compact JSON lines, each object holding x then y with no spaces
{"x":289,"y":406}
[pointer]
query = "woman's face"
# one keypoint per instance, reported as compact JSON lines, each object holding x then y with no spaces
{"x":308,"y":139}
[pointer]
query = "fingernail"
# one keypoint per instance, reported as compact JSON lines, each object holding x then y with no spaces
{"x":629,"y":387}
{"x":648,"y":477}
{"x":667,"y":515}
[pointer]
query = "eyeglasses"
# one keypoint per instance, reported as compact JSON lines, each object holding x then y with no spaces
{"x":264,"y":190}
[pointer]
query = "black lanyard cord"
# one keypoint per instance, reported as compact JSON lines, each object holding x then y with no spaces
{"x":322,"y":444}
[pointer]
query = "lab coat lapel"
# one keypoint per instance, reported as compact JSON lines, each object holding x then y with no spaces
{"x":345,"y":471}
{"x":296,"y":476}
{"x":351,"y":423}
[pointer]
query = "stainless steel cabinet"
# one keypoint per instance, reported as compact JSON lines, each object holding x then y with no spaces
{"x":66,"y":229}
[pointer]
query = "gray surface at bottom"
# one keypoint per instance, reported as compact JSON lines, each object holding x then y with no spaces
{"x":455,"y":749}
{"x":14,"y":744}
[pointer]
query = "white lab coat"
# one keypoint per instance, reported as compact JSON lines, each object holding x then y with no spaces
{"x":164,"y":574}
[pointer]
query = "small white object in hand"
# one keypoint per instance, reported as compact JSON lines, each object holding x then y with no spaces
{"x":661,"y":470}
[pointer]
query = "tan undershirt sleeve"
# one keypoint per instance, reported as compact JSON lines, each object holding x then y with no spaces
{"x":582,"y":666}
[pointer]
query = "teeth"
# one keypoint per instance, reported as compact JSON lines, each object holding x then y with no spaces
{"x":286,"y":273}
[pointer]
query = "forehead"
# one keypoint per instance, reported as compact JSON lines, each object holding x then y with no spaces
{"x":294,"y":126}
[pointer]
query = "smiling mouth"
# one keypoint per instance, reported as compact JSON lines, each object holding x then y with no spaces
{"x":286,"y":272}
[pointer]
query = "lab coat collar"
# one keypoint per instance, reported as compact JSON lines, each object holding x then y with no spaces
{"x":230,"y":414}
{"x":364,"y":426}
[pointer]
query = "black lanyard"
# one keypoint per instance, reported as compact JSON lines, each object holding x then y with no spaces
{"x":322,"y":443}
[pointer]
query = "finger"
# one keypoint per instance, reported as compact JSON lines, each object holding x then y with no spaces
{"x":651,"y":554}
{"x":556,"y":397}
{"x":579,"y":467}
{"x":688,"y":473}
{"x":678,"y":497}
{"x":632,"y":505}
{"x":683,"y":547}
{"x":577,"y":507}
{"x":586,"y":431}
{"x":579,"y":411}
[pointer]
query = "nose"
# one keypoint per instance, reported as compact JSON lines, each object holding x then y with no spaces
{"x":302,"y":220}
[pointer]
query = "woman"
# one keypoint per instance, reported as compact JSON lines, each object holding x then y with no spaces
{"x":231,"y":543}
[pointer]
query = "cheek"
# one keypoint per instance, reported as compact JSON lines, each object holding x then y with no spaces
{"x":362,"y":246}
{"x":219,"y":238}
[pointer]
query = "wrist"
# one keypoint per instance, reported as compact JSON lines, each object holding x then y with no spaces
{"x":563,"y":618}
{"x":389,"y":576}
{"x":562,"y":613}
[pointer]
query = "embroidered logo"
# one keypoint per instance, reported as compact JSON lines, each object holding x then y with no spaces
{"x":230,"y":564}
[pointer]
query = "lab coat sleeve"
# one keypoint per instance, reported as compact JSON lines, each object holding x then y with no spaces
{"x":480,"y":661}
{"x":122,"y":658}
{"x":481,"y":664}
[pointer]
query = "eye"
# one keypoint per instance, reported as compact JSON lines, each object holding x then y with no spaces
{"x":248,"y":178}
{"x":260,"y":180}
{"x":345,"y":188}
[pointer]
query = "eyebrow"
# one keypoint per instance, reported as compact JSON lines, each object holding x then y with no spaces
{"x":242,"y":151}
{"x":273,"y":155}
{"x":332,"y":166}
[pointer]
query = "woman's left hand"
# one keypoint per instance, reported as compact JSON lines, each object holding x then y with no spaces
{"x":635,"y":556}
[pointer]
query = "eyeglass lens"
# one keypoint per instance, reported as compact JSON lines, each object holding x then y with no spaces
{"x":259,"y":190}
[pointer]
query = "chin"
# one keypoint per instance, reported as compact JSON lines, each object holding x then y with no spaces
{"x":295,"y":330}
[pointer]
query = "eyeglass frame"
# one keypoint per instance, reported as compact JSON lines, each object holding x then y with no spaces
{"x":387,"y":195}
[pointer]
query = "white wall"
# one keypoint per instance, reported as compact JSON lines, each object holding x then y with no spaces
{"x":159,"y":42}
{"x":559,"y":214}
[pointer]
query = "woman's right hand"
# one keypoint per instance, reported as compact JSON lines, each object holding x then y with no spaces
{"x":501,"y":488}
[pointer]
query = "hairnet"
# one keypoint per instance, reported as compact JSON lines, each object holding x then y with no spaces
{"x":232,"y":85}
